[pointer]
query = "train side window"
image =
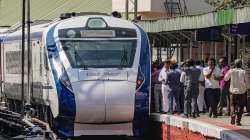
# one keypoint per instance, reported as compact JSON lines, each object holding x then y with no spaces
{"x":45,"y":61}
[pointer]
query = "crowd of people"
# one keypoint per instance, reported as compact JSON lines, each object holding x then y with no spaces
{"x":192,"y":88}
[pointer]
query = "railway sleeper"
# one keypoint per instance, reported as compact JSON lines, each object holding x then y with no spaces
{"x":14,"y":126}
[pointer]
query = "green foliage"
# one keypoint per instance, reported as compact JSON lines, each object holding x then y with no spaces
{"x":233,"y":4}
{"x":225,"y":4}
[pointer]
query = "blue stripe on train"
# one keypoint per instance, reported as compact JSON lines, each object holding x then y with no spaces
{"x":35,"y":35}
{"x":141,"y":115}
{"x":67,"y":107}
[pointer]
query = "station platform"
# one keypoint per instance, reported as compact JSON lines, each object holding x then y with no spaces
{"x":172,"y":127}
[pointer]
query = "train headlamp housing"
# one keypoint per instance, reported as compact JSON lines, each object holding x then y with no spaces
{"x":71,"y":33}
{"x":96,"y":23}
{"x":140,"y":79}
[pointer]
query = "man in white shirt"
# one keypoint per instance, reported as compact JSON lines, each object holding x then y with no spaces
{"x":164,"y":87}
{"x":212,"y":76}
{"x":200,"y":99}
{"x":239,"y":85}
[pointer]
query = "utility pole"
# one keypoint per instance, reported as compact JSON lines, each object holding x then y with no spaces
{"x":23,"y":49}
{"x":126,"y":9}
{"x":29,"y":55}
{"x":135,"y":9}
{"x":1,"y":80}
{"x":1,"y":73}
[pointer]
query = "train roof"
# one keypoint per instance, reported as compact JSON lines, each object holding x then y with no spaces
{"x":15,"y":31}
{"x":81,"y":21}
{"x":69,"y":22}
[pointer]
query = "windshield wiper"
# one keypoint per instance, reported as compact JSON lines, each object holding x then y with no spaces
{"x":82,"y":60}
{"x":124,"y":59}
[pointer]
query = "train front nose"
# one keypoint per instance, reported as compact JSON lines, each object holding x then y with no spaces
{"x":90,"y":101}
{"x":104,"y":100}
{"x":119,"y":101}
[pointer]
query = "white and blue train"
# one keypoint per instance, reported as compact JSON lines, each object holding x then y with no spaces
{"x":90,"y":75}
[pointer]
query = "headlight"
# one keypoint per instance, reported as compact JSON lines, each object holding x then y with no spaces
{"x":96,"y":23}
{"x":71,"y":33}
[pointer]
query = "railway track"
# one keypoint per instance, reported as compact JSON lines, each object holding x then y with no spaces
{"x":106,"y":138}
{"x":16,"y":126}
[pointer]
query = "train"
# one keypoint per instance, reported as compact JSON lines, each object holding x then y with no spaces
{"x":90,"y":74}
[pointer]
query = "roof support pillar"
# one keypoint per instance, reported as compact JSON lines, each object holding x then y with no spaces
{"x":243,"y":44}
{"x":238,"y":47}
{"x":215,"y":51}
{"x":190,"y":49}
{"x":229,"y":53}
{"x":211,"y":49}
{"x":225,"y":47}
{"x":178,"y":53}
{"x":202,"y":50}
{"x":190,"y":42}
{"x":243,"y":48}
{"x":228,"y":46}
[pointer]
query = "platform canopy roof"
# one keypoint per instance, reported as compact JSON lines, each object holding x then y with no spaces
{"x":216,"y":18}
{"x":11,"y":10}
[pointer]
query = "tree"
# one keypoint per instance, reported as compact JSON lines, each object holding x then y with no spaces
{"x":224,"y":4}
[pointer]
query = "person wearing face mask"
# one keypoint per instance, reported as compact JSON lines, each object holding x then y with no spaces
{"x":212,"y":76}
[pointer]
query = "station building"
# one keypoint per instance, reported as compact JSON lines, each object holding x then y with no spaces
{"x":192,"y":29}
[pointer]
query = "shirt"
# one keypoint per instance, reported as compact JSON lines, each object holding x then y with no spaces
{"x":199,"y":67}
{"x":224,"y":70}
{"x":163,"y":75}
{"x":239,"y":82}
{"x":155,"y":76}
{"x":173,"y":78}
{"x":211,"y":82}
{"x":183,"y":77}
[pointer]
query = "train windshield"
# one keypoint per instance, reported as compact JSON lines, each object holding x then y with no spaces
{"x":100,"y":53}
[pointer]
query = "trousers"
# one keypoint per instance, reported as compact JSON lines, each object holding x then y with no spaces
{"x":190,"y":100}
{"x":201,"y":100}
{"x":224,"y":100}
{"x":213,"y":95}
{"x":237,"y":105}
{"x":157,"y":97}
{"x":174,"y":95}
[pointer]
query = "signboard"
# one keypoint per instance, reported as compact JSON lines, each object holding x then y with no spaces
{"x":243,"y":28}
{"x":210,"y":34}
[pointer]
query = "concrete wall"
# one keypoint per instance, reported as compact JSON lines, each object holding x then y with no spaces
{"x":198,"y":7}
{"x":153,"y":9}
{"x":143,"y":5}
{"x":158,"y":6}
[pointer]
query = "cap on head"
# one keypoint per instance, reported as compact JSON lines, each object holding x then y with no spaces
{"x":173,"y":61}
